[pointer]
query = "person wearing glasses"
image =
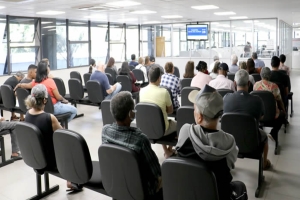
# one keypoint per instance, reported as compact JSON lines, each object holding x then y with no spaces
{"x":120,"y":133}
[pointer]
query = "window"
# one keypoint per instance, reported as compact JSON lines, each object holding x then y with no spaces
{"x":99,"y":43}
{"x":3,"y":45}
{"x":117,"y":42}
{"x":132,"y":43}
{"x":220,"y":39}
{"x":146,"y":41}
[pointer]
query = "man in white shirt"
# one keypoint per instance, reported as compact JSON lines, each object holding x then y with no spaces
{"x":221,"y":82}
{"x":211,"y":66}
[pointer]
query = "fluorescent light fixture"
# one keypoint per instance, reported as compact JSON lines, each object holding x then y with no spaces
{"x":52,"y":29}
{"x":96,"y":17}
{"x":1,"y":7}
{"x":105,"y":26}
{"x":142,"y":12}
{"x":205,"y":7}
{"x":46,"y":22}
{"x":239,"y":17}
{"x":225,"y":13}
{"x":179,"y":25}
{"x":77,"y":23}
{"x":171,"y":16}
{"x":49,"y":27}
{"x":151,"y":22}
{"x":50,"y":12}
{"x":214,"y":22}
{"x":123,"y":3}
{"x":125,"y":20}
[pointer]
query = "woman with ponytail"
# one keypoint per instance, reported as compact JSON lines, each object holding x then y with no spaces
{"x":92,"y":66}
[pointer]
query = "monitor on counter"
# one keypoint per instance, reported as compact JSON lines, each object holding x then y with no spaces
{"x":196,"y":32}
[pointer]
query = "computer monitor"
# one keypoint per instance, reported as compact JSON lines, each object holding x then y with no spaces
{"x":196,"y":32}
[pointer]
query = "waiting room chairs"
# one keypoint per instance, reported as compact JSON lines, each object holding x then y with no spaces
{"x":223,"y":92}
{"x":22,"y":94}
{"x":231,"y":76}
{"x":245,"y":130}
{"x":289,"y":97}
{"x":284,"y":98}
{"x":131,"y":67}
{"x":185,"y":178}
{"x":107,"y":117}
{"x":149,"y":118}
{"x":121,"y":172}
{"x":86,"y":77}
{"x":270,"y":111}
{"x":61,"y":88}
{"x":184,"y":115}
{"x":256,"y":77}
{"x":33,"y":153}
{"x":112,"y":72}
{"x":126,"y":86}
{"x":9,"y":99}
{"x":75,"y":74}
{"x":176,"y":72}
{"x":95,"y":93}
{"x":110,"y":79}
{"x":185,"y":94}
{"x":139,"y":75}
{"x":186,"y":82}
{"x":74,"y":161}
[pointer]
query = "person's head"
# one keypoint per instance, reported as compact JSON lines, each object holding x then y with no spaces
{"x":100,"y":66}
{"x":254,"y":55}
{"x":31,"y":71}
{"x":152,"y":60}
{"x":282,"y":58}
{"x":19,"y":75}
{"x":202,"y":66}
{"x":241,"y":80}
{"x":234,"y":59}
{"x":46,"y":60}
{"x":169,"y":68}
{"x":155,"y":75}
{"x":250,"y":65}
{"x":189,"y":69}
{"x":216,"y":58}
{"x":275,"y":62}
{"x":208,"y":106}
{"x":223,"y":69}
{"x":147,"y":60}
{"x":243,"y":65}
{"x":92,"y":63}
{"x":265,"y":73}
{"x":125,"y":70}
{"x":42,"y":71}
{"x":132,"y":56}
{"x":38,"y":98}
{"x":122,"y":108}
{"x":111,"y":62}
{"x":141,"y":60}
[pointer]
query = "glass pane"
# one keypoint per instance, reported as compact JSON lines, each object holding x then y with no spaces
{"x":3,"y":45}
{"x":147,"y":42}
{"x":132,"y":35}
{"x":117,"y":51}
{"x":176,"y":42}
{"x":21,"y":58}
{"x":78,"y":31}
{"x":22,"y":30}
{"x":220,"y":39}
{"x":79,"y":54}
{"x":116,"y":33}
{"x":99,"y":43}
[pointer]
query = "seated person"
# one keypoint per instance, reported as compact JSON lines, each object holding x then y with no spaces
{"x":120,"y":133}
{"x":221,"y":82}
{"x":205,"y":142}
{"x":60,"y":104}
{"x":124,"y":70}
{"x":243,"y":102}
{"x":282,"y":65}
{"x":243,"y":65}
{"x":108,"y":90}
{"x":153,"y":64}
{"x":133,"y":62}
{"x":92,"y":66}
{"x":31,"y":74}
{"x":266,"y":85}
{"x":159,"y":96}
{"x":189,"y":70}
{"x":214,"y":72}
{"x":251,"y":66}
{"x":48,"y":63}
{"x":46,"y":122}
{"x":143,"y":68}
{"x":13,"y":81}
{"x":258,"y":63}
{"x":172,"y":82}
{"x":234,"y":67}
{"x":111,"y":64}
{"x":201,"y":78}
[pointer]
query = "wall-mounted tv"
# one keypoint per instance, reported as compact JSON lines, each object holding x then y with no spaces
{"x":196,"y":32}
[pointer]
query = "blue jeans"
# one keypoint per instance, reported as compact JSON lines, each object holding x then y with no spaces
{"x":61,"y":108}
{"x":117,"y":90}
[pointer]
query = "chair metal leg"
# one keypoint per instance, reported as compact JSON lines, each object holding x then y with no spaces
{"x":78,"y":115}
{"x":4,"y":161}
{"x":292,"y":110}
{"x":47,"y":191}
{"x":260,"y":177}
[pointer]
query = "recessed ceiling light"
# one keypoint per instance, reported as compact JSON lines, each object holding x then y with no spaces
{"x":205,"y":7}
{"x":171,"y":16}
{"x":224,"y":13}
{"x":46,"y":22}
{"x":251,"y":21}
{"x":143,"y":12}
{"x":1,"y":7}
{"x":77,"y":23}
{"x":239,"y":17}
{"x":178,"y":25}
{"x":49,"y":27}
{"x":214,"y":22}
{"x":52,"y":29}
{"x":50,"y":12}
{"x":96,"y":16}
{"x":151,"y":22}
{"x":126,"y":20}
{"x":123,"y":3}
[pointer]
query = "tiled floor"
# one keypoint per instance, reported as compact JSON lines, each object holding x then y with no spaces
{"x":282,"y":182}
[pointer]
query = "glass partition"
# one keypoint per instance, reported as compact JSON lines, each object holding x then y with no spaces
{"x":147,"y":40}
{"x":132,"y":43}
{"x":220,"y":40}
{"x":99,"y":42}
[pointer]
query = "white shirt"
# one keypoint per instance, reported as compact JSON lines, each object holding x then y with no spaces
{"x":144,"y":70}
{"x":221,"y":82}
{"x":213,"y":75}
{"x":211,"y":66}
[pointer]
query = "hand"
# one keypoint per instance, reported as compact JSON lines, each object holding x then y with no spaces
{"x":17,"y":86}
{"x":65,"y":101}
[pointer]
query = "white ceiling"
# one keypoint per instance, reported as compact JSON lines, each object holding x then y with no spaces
{"x":287,"y":10}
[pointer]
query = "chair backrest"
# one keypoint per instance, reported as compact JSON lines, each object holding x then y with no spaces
{"x":282,"y":92}
{"x":176,"y":72}
{"x":170,"y":93}
{"x":283,"y":71}
{"x":75,"y":89}
{"x":186,"y":82}
{"x":49,"y":108}
{"x":231,"y":76}
{"x":107,"y":117}
{"x":94,"y":90}
{"x":269,"y":104}
{"x":185,"y":178}
{"x":22,"y":94}
{"x":110,"y":78}
{"x":244,"y":128}
{"x":120,"y":172}
{"x":60,"y":86}
{"x":112,"y":72}
{"x":30,"y":141}
{"x":72,"y":155}
{"x":138,"y":74}
{"x":223,"y":92}
{"x":86,"y":77}
{"x":185,"y":94}
{"x":256,"y":77}
{"x":125,"y":82}
{"x":184,"y":115}
{"x":149,"y":118}
{"x":8,"y":96}
{"x":131,"y":67}
{"x":75,"y":74}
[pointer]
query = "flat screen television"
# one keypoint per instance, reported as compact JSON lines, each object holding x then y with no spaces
{"x":196,"y":32}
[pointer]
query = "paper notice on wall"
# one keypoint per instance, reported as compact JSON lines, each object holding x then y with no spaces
{"x":270,"y":44}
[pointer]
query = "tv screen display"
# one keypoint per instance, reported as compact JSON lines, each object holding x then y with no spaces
{"x":196,"y":32}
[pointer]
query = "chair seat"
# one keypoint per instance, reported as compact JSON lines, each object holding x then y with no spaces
{"x":167,"y":140}
{"x":63,"y":116}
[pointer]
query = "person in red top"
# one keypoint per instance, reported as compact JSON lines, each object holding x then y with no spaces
{"x":60,"y":104}
{"x":126,"y":71}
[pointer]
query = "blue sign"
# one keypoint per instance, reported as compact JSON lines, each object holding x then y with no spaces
{"x":197,"y":31}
